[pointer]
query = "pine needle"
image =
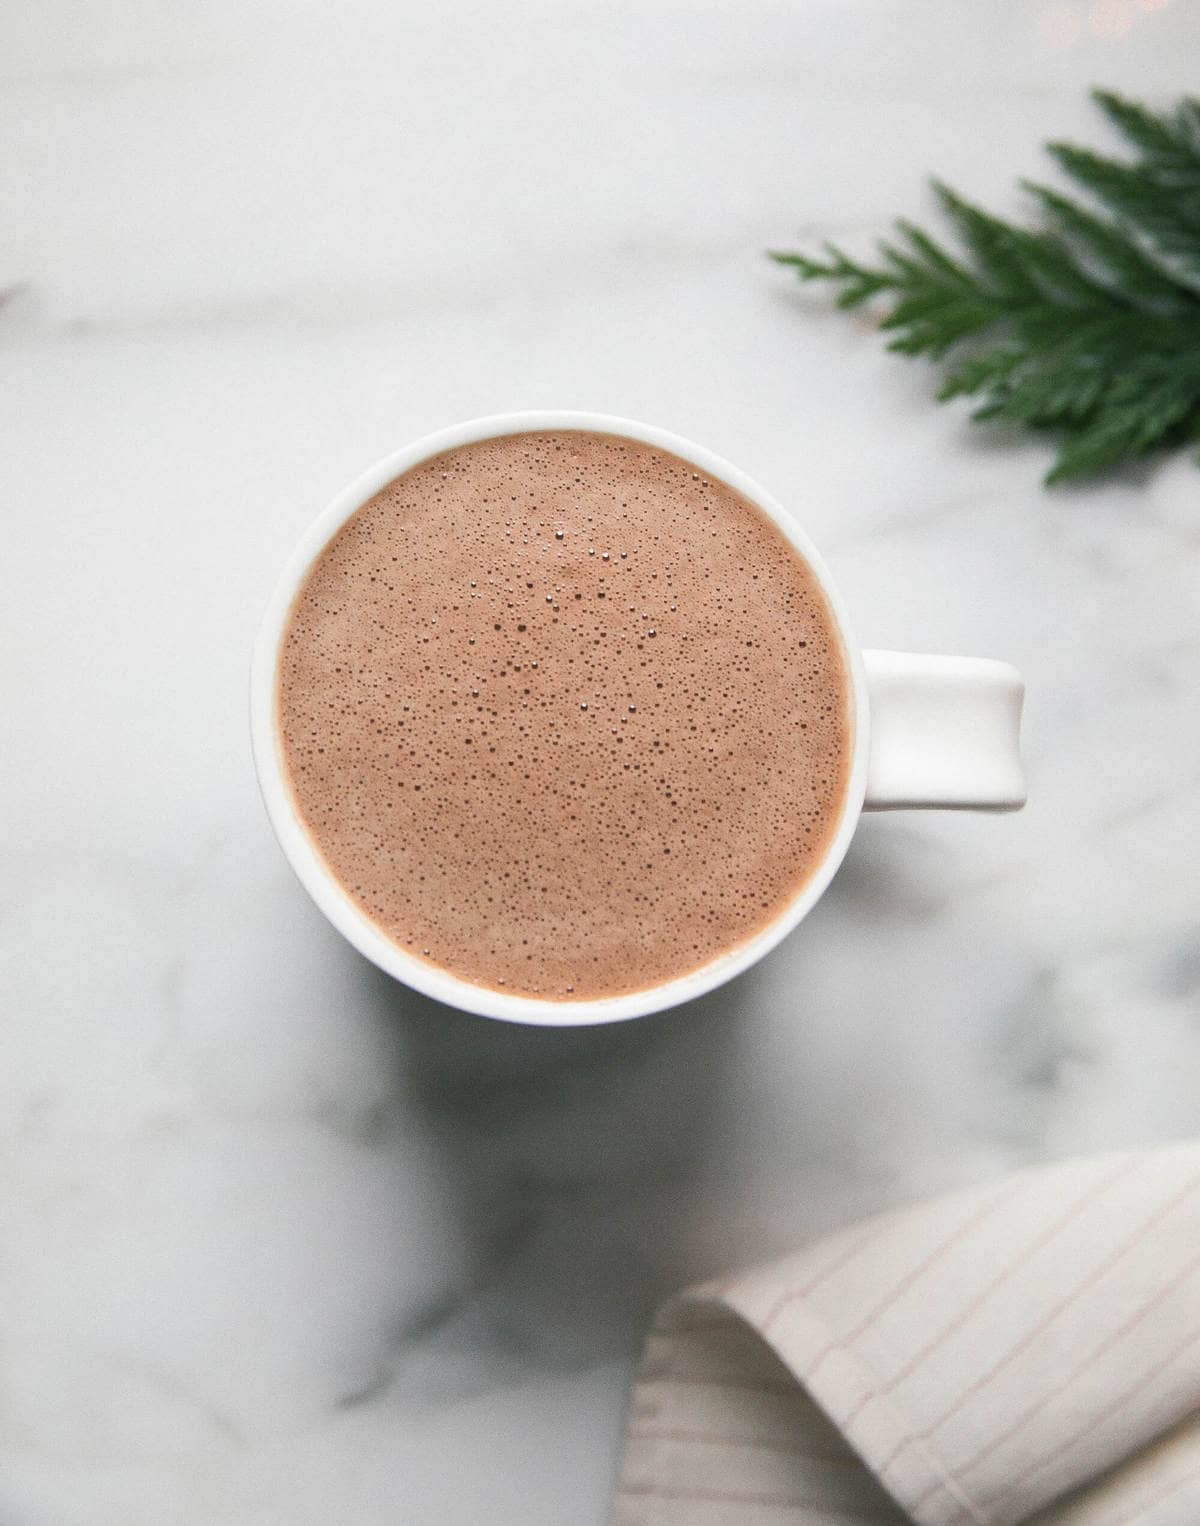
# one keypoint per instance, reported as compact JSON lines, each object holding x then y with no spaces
{"x":1088,"y":325}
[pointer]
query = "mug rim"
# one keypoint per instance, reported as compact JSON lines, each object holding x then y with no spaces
{"x":300,"y":849}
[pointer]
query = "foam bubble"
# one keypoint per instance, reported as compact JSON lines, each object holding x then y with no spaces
{"x":479,"y":811}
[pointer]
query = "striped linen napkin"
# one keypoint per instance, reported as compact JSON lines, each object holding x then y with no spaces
{"x":1024,"y":1351}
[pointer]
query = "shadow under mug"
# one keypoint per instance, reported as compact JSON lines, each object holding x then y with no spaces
{"x":926,"y":732}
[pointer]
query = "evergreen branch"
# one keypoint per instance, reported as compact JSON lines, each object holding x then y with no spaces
{"x":1020,"y":264}
{"x":1118,"y":263}
{"x":1088,"y":325}
{"x":1166,"y":217}
{"x":858,"y":283}
{"x":1151,"y":131}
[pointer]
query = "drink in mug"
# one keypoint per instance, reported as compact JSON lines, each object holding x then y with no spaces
{"x":559,"y":719}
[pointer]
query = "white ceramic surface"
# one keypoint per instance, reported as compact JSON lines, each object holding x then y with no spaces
{"x":950,"y":735}
{"x":280,"y":1241}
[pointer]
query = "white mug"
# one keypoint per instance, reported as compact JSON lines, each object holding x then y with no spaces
{"x":927,"y":731}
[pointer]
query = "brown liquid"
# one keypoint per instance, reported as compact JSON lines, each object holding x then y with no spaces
{"x":563,"y":716}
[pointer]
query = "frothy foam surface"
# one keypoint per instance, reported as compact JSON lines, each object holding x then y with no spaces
{"x":564,"y":716}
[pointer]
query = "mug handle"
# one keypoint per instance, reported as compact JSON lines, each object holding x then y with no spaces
{"x":944,"y":732}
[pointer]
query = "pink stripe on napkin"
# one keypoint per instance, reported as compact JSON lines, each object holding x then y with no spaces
{"x":1028,"y":1351}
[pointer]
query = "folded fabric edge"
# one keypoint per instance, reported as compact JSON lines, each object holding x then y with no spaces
{"x":879,"y":1432}
{"x":835,"y":1391}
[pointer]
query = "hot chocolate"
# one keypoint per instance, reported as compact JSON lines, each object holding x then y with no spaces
{"x":564,"y":715}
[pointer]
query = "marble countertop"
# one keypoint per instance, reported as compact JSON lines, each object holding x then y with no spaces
{"x":281,"y":1242}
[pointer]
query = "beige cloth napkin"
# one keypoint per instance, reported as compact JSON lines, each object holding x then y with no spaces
{"x":1027,"y":1350}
